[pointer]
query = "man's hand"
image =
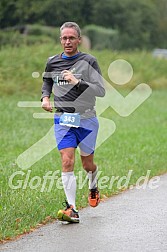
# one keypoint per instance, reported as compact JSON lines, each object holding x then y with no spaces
{"x":46,"y":104}
{"x":67,"y":75}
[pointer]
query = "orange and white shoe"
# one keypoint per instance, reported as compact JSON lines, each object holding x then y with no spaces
{"x":94,"y":197}
{"x":69,"y":214}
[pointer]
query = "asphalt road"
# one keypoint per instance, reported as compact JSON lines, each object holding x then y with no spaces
{"x":135,"y":220}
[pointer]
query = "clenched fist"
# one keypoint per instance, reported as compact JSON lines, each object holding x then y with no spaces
{"x":46,"y":104}
{"x":67,"y":75}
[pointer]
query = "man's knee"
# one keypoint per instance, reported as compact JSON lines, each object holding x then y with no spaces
{"x":67,"y":161}
{"x":68,"y":164}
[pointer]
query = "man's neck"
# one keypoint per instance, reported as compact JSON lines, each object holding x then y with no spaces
{"x":65,"y":56}
{"x":71,"y":54}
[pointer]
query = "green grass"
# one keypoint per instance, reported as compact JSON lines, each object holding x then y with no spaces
{"x":17,"y":65}
{"x":138,"y":144}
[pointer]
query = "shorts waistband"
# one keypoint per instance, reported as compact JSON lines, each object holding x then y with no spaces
{"x":81,"y":112}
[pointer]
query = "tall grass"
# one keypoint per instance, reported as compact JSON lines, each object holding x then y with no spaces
{"x":17,"y":65}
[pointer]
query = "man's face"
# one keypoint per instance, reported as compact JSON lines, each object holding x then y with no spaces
{"x":70,"y":41}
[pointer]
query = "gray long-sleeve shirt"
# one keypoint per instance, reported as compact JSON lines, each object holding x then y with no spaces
{"x":67,"y":97}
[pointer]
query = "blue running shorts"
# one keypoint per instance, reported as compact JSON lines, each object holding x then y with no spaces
{"x":84,"y":136}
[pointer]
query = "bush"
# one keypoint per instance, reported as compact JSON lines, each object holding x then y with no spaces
{"x":28,"y":34}
{"x":102,"y":38}
{"x":10,"y":38}
{"x":48,"y":31}
{"x":15,"y":39}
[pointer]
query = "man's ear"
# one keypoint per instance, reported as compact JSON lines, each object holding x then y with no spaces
{"x":80,"y":40}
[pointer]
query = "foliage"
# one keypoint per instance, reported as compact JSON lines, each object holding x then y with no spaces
{"x":159,"y":38}
{"x":15,"y":39}
{"x":135,"y":20}
{"x":97,"y":34}
{"x":28,"y":34}
{"x":139,"y":23}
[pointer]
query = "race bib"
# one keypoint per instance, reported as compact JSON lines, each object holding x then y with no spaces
{"x":70,"y":119}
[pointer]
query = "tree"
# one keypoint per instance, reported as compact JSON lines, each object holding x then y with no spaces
{"x":159,"y":38}
{"x":135,"y":20}
{"x":140,"y":23}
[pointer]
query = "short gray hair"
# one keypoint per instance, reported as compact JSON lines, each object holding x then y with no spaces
{"x":71,"y":25}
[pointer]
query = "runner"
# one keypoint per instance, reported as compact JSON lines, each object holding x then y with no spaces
{"x":75,"y":79}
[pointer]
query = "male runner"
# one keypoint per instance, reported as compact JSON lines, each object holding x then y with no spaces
{"x":76,"y":81}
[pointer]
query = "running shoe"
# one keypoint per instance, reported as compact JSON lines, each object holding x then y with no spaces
{"x":94,"y":197}
{"x":69,"y":214}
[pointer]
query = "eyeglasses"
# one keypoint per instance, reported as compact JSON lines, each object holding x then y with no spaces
{"x":64,"y":39}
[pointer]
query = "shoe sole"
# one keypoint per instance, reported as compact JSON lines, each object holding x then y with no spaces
{"x":63,"y":217}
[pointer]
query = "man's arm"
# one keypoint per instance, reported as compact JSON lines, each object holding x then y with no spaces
{"x":93,"y":80}
{"x":47,"y":89}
